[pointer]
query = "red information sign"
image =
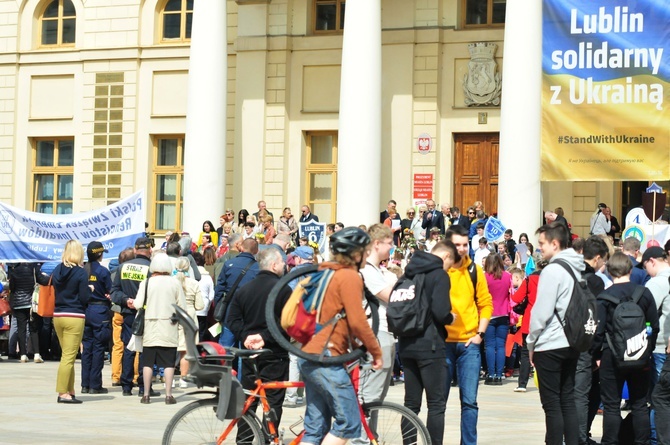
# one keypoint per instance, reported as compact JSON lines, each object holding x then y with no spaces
{"x":423,"y":186}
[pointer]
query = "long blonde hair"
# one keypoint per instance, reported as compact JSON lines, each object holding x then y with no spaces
{"x":73,"y":253}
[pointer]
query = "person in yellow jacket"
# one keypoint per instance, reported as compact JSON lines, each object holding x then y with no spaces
{"x":473,"y":307}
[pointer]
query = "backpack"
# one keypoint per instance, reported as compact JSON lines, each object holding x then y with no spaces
{"x":579,"y":324}
{"x":628,"y":341}
{"x":301,"y":313}
{"x":408,"y":310}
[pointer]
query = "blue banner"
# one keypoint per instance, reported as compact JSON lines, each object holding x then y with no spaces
{"x":315,"y":232}
{"x":36,"y":237}
{"x":605,"y":79}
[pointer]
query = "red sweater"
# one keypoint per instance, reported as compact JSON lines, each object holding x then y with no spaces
{"x":520,"y":294}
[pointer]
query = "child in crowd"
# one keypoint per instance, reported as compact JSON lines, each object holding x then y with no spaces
{"x":509,"y":242}
{"x":474,"y":244}
{"x":482,"y":251}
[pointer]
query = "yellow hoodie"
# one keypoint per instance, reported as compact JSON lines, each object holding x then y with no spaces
{"x":463,"y":304}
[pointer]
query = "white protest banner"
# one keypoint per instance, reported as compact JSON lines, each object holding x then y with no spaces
{"x":35,"y":237}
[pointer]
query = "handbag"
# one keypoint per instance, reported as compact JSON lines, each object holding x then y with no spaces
{"x":135,"y":344}
{"x":4,"y":307}
{"x":222,"y":306}
{"x":47,"y":300}
{"x":138,"y":324}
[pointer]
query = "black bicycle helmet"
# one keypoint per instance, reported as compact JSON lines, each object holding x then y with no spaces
{"x":348,"y":239}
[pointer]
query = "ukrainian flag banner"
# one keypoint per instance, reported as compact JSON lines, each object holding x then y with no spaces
{"x":605,"y":84}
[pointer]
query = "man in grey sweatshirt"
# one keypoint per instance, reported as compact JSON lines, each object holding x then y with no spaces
{"x":554,"y":360}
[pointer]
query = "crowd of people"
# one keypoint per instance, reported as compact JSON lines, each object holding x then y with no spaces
{"x":496,"y":305}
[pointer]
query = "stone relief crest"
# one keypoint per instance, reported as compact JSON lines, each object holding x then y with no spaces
{"x":482,"y":84}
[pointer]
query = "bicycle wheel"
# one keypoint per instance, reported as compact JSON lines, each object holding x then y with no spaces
{"x":280,"y":335}
{"x":394,"y":424}
{"x":196,"y":423}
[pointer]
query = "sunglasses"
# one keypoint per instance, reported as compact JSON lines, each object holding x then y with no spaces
{"x":471,"y":213}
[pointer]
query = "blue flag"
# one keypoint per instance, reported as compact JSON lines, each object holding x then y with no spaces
{"x":494,"y":229}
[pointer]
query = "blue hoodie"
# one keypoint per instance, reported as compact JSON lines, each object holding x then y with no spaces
{"x":72,"y":291}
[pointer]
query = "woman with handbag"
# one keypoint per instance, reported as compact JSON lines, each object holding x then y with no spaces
{"x":160,"y":338}
{"x":70,"y":282}
{"x":22,"y":279}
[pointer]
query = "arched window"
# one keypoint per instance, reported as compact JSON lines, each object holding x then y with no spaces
{"x":59,"y":22}
{"x":176,"y":21}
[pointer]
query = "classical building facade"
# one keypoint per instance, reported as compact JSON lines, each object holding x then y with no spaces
{"x":94,"y":97}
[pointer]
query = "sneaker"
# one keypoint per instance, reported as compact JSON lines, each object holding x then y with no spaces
{"x":520,"y":389}
{"x":497,"y":381}
{"x":24,"y":359}
{"x":38,"y":359}
{"x":183,"y":384}
{"x":300,"y":401}
{"x":290,"y":403}
{"x":489,"y":381}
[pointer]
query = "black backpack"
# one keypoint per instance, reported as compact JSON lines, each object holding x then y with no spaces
{"x":628,"y":341}
{"x":579,"y":323}
{"x":408,"y":312}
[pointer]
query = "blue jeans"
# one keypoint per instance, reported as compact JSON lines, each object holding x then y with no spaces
{"x":657,"y":364}
{"x":466,"y":363}
{"x":495,"y":338}
{"x":330,"y":394}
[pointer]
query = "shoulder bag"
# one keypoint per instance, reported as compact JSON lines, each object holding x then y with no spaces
{"x":138,"y":324}
{"x":47,"y":300}
{"x":222,"y":306}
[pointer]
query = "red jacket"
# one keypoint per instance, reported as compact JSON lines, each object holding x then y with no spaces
{"x":530,"y":282}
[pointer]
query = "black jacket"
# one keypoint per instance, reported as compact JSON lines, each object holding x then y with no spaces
{"x":246,"y":315}
{"x":606,"y":315}
{"x":435,"y":221}
{"x":437,"y":287}
{"x":22,"y":278}
{"x":127,"y":281}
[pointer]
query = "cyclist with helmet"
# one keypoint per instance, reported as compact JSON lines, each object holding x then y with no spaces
{"x":330,"y":393}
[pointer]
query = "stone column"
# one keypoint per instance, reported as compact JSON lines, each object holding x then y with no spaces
{"x":519,"y":189}
{"x":359,"y":144}
{"x":205,"y":153}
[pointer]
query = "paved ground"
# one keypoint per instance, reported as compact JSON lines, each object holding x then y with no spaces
{"x":30,"y":414}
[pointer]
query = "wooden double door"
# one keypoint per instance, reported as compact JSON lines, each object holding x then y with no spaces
{"x":476,"y":170}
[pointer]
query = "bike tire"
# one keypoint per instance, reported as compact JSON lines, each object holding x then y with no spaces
{"x":395,"y":424}
{"x":197,"y":423}
{"x":280,"y":335}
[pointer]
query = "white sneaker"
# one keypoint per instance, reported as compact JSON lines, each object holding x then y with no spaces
{"x":24,"y":359}
{"x":519,"y":389}
{"x":38,"y":359}
{"x":183,"y":384}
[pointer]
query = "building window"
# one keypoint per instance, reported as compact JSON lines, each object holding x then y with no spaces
{"x":321,"y":190}
{"x":328,"y":16}
{"x":176,"y":21}
{"x":58,"y":23}
{"x":53,"y":170}
{"x":481,"y":13}
{"x":168,"y":183}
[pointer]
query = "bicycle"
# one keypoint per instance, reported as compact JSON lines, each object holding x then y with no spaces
{"x":203,"y":421}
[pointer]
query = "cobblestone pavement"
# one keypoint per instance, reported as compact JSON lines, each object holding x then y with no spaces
{"x":31,"y":415}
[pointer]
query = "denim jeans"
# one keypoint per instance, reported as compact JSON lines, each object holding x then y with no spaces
{"x":495,"y":338}
{"x":330,"y":394}
{"x":556,"y":376}
{"x":465,"y":362}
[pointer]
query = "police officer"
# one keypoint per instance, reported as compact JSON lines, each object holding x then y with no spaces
{"x":97,"y":329}
{"x":124,"y":289}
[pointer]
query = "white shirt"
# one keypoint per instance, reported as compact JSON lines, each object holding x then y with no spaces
{"x":480,"y":256}
{"x":206,"y":290}
{"x":599,"y":224}
{"x":376,"y":281}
